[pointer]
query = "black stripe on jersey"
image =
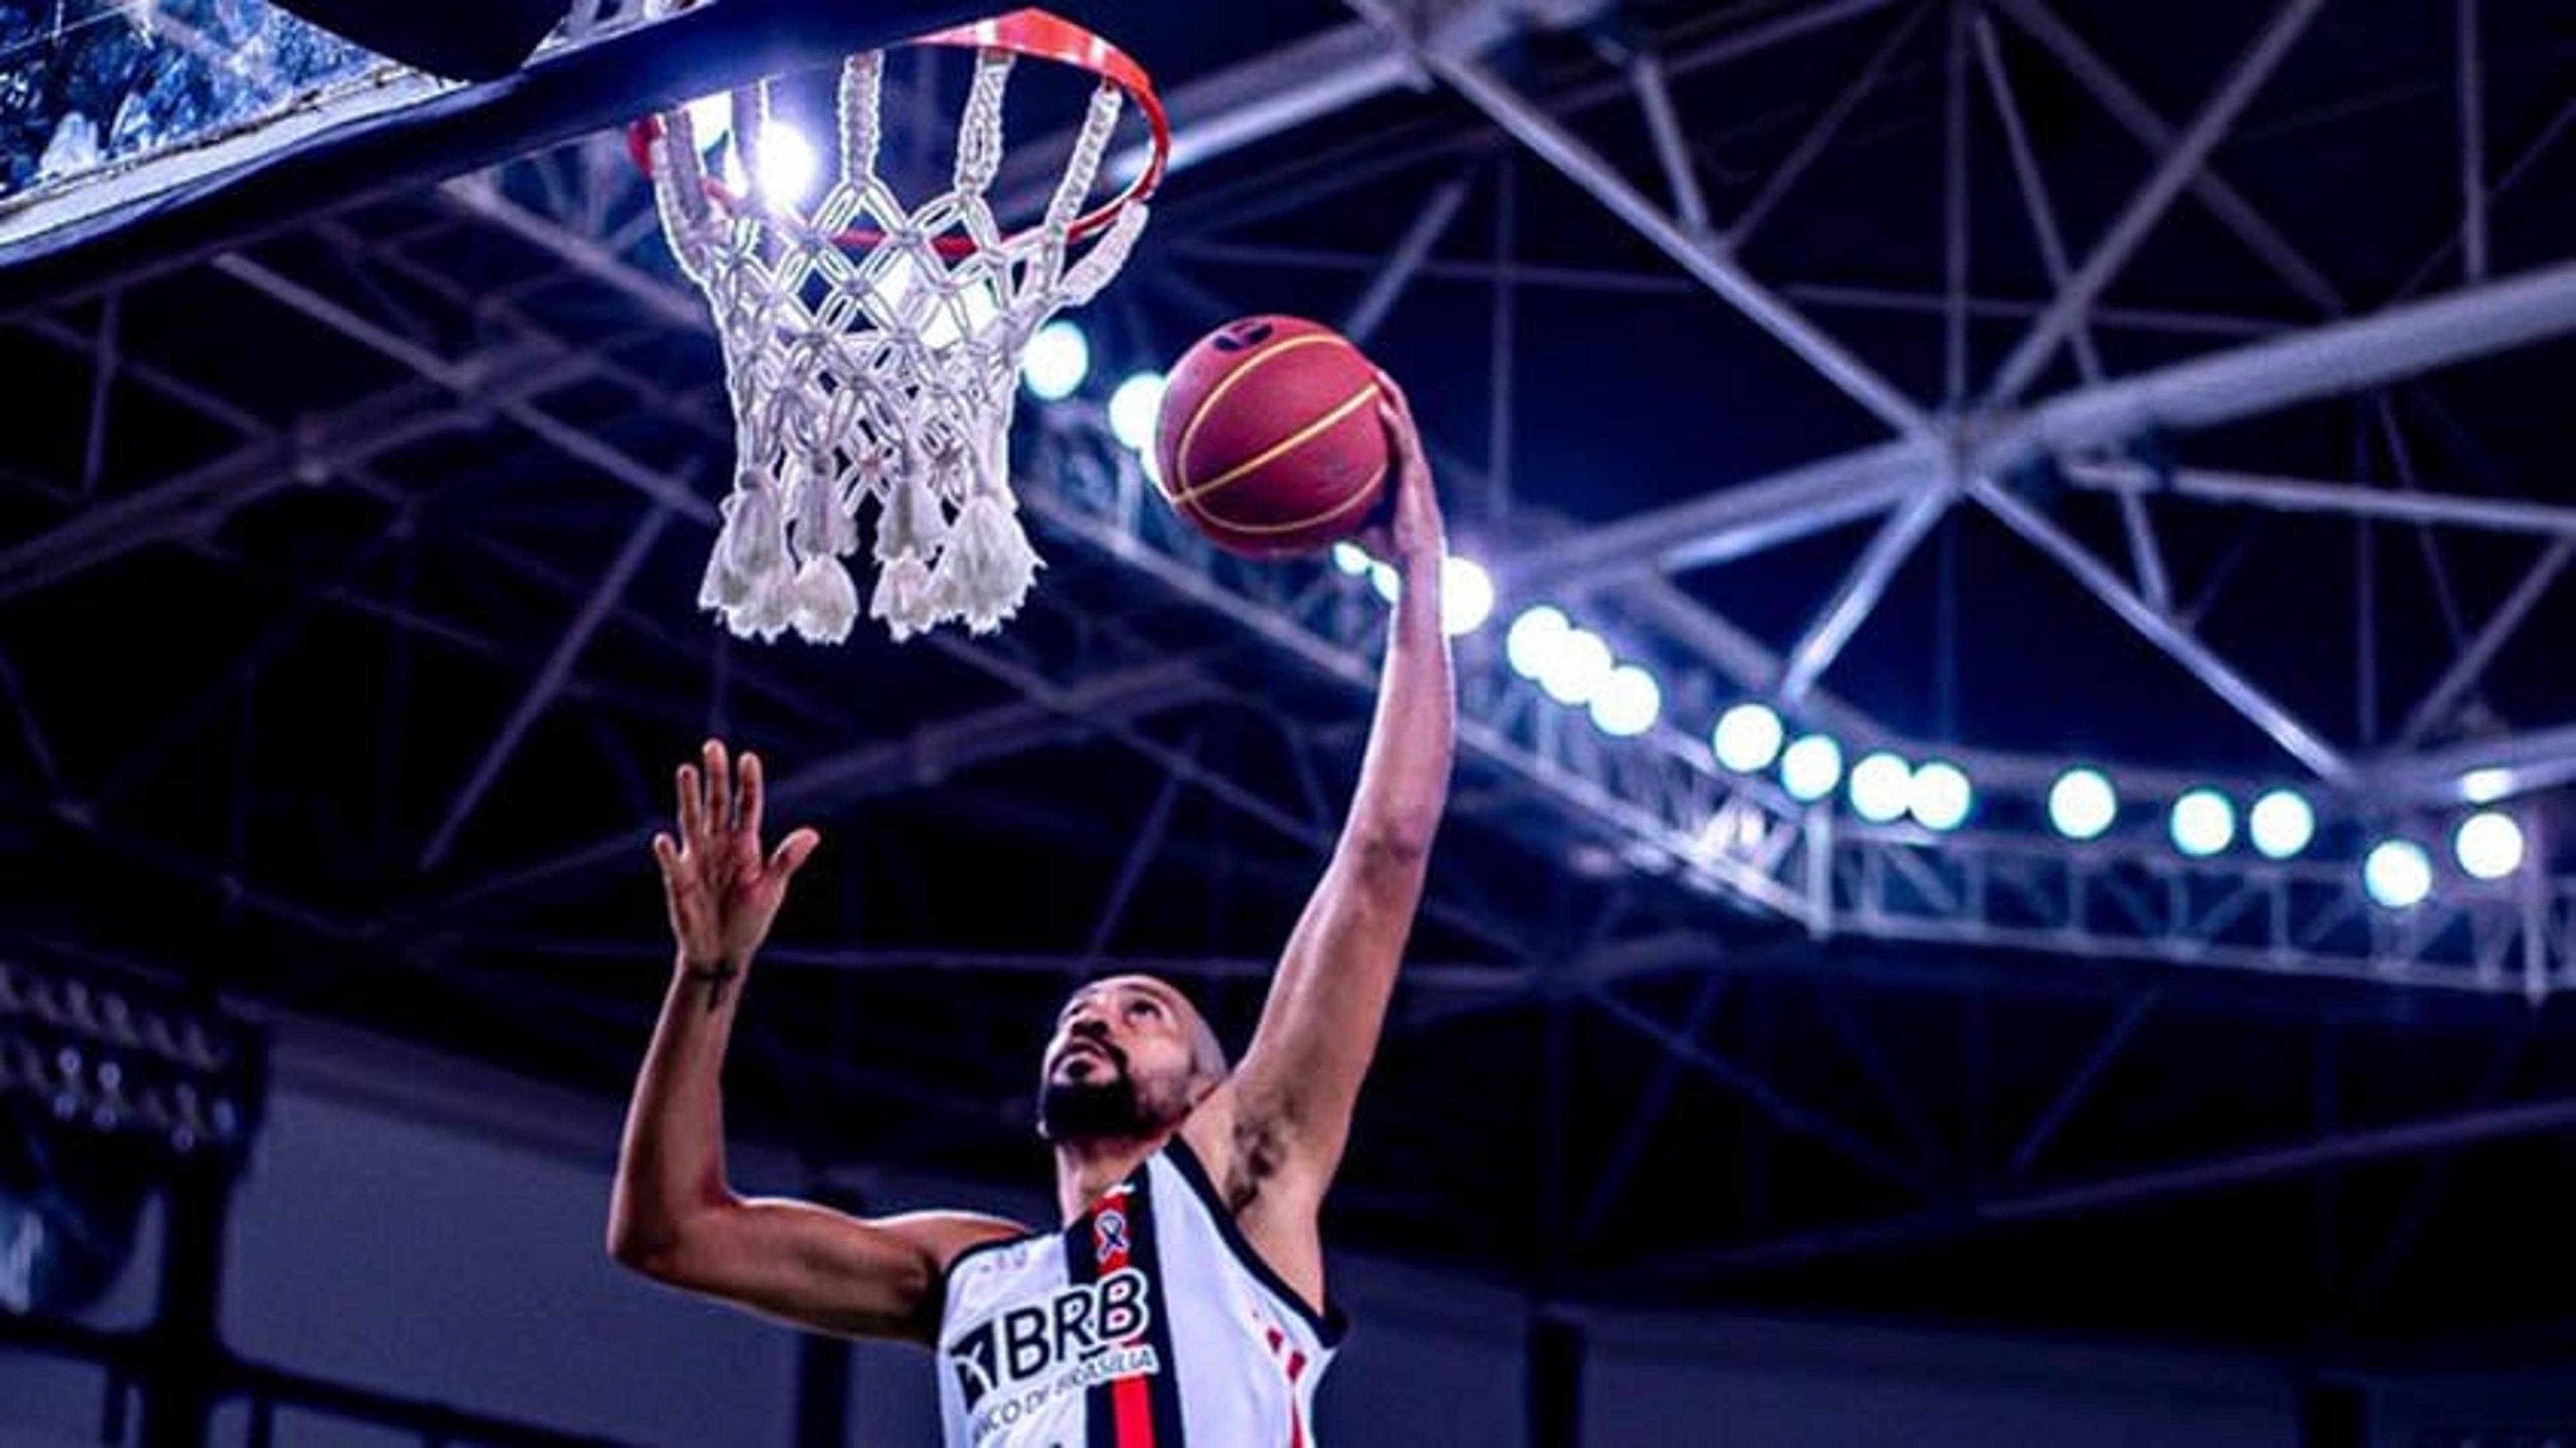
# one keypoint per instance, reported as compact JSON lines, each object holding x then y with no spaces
{"x":1082,"y":1268}
{"x":1146,"y":1255}
{"x":1330,"y":1325}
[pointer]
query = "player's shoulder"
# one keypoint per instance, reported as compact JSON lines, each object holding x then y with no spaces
{"x":948,"y":1235}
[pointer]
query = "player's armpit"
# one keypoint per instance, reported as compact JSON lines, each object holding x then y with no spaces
{"x":816,"y":1268}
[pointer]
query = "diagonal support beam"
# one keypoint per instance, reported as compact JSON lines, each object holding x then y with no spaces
{"x":32,"y":732}
{"x":2160,"y":629}
{"x":1672,"y":149}
{"x":1400,"y":270}
{"x":929,"y":753}
{"x":1140,"y":853}
{"x":1560,"y":148}
{"x":2159,"y":136}
{"x":1646,"y":1115}
{"x":1861,"y":589}
{"x":2148,"y":206}
{"x":2473,"y":661}
{"x":549,"y":681}
{"x":1828,"y":124}
{"x":2079,"y":1086}
{"x":1766,"y":1097}
{"x":2144,"y":554}
{"x":1729,"y":523}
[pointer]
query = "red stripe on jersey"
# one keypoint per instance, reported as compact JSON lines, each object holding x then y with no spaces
{"x":1131,"y":1400}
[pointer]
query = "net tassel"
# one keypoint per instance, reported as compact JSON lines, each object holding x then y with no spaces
{"x":824,"y":600}
{"x":912,"y":524}
{"x":989,"y":566}
{"x":824,"y":527}
{"x":902,"y":601}
{"x":750,"y":556}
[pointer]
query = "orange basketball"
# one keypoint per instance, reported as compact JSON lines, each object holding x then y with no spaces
{"x":1269,"y":441}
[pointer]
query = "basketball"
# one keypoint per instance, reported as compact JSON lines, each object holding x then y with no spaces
{"x":1270,"y":441}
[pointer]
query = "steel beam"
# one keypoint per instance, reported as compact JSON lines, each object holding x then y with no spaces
{"x":1728,"y":523}
{"x":2159,"y":136}
{"x":2305,"y":495}
{"x":929,"y":753}
{"x":1861,"y":589}
{"x":2473,"y":660}
{"x":1560,"y":148}
{"x":2329,"y":1151}
{"x":2337,"y":358}
{"x":2148,"y":206}
{"x":550,"y":680}
{"x":1827,"y":125}
{"x":2160,"y":629}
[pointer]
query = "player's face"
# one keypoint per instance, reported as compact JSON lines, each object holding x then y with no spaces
{"x":1120,"y":1062}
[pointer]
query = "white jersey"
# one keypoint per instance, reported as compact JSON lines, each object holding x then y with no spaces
{"x":1147,"y":1323}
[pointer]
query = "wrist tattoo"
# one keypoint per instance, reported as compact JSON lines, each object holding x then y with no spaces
{"x":718,"y":979}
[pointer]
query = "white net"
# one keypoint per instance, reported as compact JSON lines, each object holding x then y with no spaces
{"x":872,"y":353}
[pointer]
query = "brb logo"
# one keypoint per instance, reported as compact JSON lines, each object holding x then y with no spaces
{"x":1071,"y":1328}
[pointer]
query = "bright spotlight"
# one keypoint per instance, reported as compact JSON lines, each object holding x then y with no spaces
{"x":2203,"y":823}
{"x":1811,"y":767}
{"x":2398,"y":874}
{"x":1059,"y":357}
{"x":1942,"y":796}
{"x":1882,"y":787}
{"x":2281,"y":824}
{"x":1747,"y":738}
{"x":2082,"y":804}
{"x":1466,"y":595}
{"x":1134,"y":409}
{"x":1388,"y":583}
{"x":2488,"y":845}
{"x":1535,"y":637}
{"x":1628,"y":702}
{"x":787,"y":163}
{"x":1579,"y":666}
{"x":1349,"y":558}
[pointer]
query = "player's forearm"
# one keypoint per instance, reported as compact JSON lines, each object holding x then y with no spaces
{"x":1404,"y":778}
{"x":670,"y":1165}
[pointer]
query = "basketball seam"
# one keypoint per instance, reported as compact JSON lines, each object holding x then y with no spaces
{"x":1329,"y":514}
{"x":1271,"y":454}
{"x":1189,"y":433}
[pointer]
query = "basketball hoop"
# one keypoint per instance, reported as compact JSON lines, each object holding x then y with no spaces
{"x":872,"y":350}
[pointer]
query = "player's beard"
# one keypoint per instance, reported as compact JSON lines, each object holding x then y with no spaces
{"x":1104,"y":1107}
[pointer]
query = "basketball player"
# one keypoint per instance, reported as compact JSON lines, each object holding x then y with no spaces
{"x":1181,"y":1299}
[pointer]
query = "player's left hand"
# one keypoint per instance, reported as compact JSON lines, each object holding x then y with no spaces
{"x":1412,"y":535}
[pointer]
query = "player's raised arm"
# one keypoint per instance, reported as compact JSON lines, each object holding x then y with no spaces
{"x":1300,"y":1078}
{"x":672,"y":1214}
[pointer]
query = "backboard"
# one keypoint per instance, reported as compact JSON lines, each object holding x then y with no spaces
{"x":138,"y":134}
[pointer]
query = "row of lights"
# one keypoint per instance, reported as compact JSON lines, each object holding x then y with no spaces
{"x":2083,"y":805}
{"x":1577,"y":668}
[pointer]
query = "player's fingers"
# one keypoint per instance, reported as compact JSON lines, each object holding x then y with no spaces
{"x":791,"y":853}
{"x":693,"y":806}
{"x":1393,"y":393}
{"x":719,"y":787}
{"x":751,"y":794}
{"x":666,"y":854}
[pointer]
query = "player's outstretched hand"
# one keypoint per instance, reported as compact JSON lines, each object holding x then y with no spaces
{"x":723,"y":892}
{"x":1412,"y":532}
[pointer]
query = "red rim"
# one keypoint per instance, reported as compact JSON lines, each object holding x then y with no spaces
{"x":1033,"y":33}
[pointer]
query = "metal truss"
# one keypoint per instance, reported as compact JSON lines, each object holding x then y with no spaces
{"x":1695,"y":862}
{"x":1660,"y":806}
